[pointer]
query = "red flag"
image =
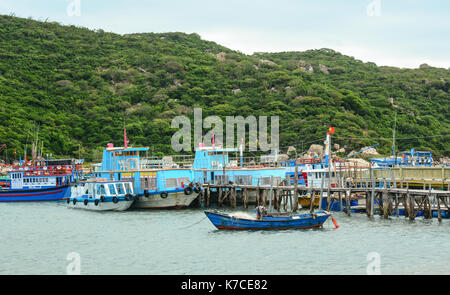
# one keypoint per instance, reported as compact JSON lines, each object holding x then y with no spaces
{"x":331,"y":130}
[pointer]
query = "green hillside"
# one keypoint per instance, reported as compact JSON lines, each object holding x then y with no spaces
{"x":78,"y":84}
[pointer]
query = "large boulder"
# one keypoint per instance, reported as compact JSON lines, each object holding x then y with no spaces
{"x":291,"y":150}
{"x":283,"y":157}
{"x":236,"y":91}
{"x":324,"y":69}
{"x":358,"y":162}
{"x":266,"y":62}
{"x":371,"y":151}
{"x":222,"y":56}
{"x":316,"y":150}
{"x":305,"y":67}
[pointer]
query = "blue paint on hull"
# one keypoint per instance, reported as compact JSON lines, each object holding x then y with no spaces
{"x":35,"y":195}
{"x":299,"y":221}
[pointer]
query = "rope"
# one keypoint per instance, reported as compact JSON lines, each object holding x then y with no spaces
{"x":194,"y":223}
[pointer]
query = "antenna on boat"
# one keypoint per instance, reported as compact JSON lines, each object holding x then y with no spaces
{"x":328,"y":145}
{"x":393,"y":139}
{"x":125,"y":134}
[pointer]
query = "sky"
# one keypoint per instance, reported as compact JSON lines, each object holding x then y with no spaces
{"x":401,"y":33}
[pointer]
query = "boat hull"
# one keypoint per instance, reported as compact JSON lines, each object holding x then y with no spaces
{"x":35,"y":195}
{"x":174,"y":200}
{"x":301,"y":221}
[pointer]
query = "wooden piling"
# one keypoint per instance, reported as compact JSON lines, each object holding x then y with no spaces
{"x":321,"y":190}
{"x":439,"y":208}
{"x":295,"y":190}
{"x":208,"y":196}
{"x":313,"y":198}
{"x":372,"y":193}
{"x":219,"y":201}
{"x":348,"y":201}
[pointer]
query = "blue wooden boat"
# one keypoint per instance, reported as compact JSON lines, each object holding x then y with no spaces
{"x":31,"y":186}
{"x":33,"y":195}
{"x":270,"y":221}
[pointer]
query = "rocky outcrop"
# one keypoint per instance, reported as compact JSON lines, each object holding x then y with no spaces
{"x":283,"y":157}
{"x":391,"y":100}
{"x":424,"y":66}
{"x":371,"y":151}
{"x":222,"y":56}
{"x":236,"y":91}
{"x":266,"y":62}
{"x":358,"y":162}
{"x":315,"y":150}
{"x":302,"y":65}
{"x":324,"y":69}
{"x":291,"y":150}
{"x":341,"y":150}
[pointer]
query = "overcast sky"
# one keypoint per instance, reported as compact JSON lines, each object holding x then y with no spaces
{"x":388,"y":32}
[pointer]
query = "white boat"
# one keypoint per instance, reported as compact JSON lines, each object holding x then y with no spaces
{"x":101,"y":195}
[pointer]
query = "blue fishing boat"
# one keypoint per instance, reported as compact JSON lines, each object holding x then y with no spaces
{"x":267,"y":221}
{"x":31,"y":188}
{"x":410,"y":158}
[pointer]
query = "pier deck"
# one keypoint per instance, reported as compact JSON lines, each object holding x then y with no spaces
{"x":385,"y":195}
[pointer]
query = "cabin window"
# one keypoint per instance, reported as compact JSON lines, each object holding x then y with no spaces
{"x":265,"y":180}
{"x":112,"y":189}
{"x":221,"y":179}
{"x":148,"y":182}
{"x":171,"y":182}
{"x":243,"y":179}
{"x":144,"y":182}
{"x":101,"y":189}
{"x":128,"y":188}
{"x":120,"y":189}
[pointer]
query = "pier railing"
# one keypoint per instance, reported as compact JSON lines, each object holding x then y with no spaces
{"x":375,"y":191}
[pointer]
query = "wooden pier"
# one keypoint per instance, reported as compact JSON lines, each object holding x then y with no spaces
{"x":376,"y":192}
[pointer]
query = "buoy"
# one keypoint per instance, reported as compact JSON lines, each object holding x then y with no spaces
{"x":334,"y":222}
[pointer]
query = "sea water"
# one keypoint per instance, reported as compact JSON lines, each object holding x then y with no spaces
{"x":41,"y":238}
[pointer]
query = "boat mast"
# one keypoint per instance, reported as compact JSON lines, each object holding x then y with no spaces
{"x":393,"y":140}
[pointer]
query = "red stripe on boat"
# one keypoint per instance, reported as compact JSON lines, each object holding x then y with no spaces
{"x":27,"y":195}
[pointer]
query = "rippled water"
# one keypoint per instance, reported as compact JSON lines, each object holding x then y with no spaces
{"x":36,"y":238}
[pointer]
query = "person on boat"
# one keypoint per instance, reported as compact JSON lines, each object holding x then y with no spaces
{"x":260,"y":212}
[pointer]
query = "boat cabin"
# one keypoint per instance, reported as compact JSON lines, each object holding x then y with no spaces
{"x":96,"y":189}
{"x":23,"y":180}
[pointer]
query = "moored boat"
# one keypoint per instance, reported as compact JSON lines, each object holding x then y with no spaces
{"x":101,"y":195}
{"x":27,"y":186}
{"x":267,"y":221}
